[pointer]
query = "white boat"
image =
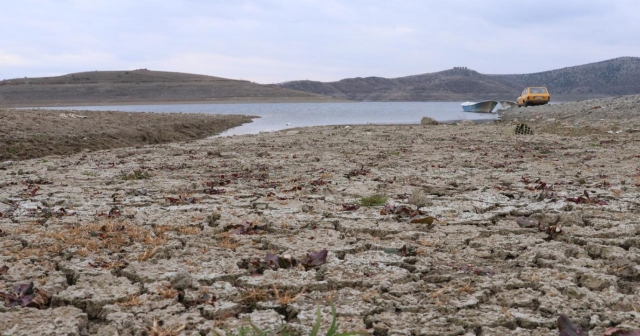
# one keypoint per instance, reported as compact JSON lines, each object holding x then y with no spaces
{"x":481,"y":107}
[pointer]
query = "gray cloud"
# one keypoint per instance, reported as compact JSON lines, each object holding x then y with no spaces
{"x":278,"y":40}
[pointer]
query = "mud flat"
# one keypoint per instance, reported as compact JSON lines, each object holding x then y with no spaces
{"x":35,"y":133}
{"x":508,"y":232}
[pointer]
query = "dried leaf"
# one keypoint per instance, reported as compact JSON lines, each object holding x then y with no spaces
{"x":316,"y":259}
{"x":424,"y":220}
{"x":567,"y":328}
{"x":4,"y":269}
{"x":26,"y":295}
{"x":272,"y":260}
{"x":349,"y":207}
{"x":620,"y":332}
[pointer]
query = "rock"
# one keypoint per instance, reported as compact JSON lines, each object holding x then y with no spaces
{"x":428,"y":121}
{"x":418,"y":199}
{"x":181,"y":281}
{"x":63,"y":321}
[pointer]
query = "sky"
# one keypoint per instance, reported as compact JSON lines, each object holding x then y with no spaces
{"x":273,"y":41}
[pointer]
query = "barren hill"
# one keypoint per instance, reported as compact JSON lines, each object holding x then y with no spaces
{"x":141,"y":86}
{"x":608,"y":78}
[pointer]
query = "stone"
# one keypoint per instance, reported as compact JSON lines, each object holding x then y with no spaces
{"x":418,"y":199}
{"x":428,"y":121}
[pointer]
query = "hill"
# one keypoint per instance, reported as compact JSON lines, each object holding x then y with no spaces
{"x":141,"y":86}
{"x":614,"y":77}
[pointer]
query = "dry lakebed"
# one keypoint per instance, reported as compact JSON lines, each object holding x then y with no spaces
{"x":445,"y":229}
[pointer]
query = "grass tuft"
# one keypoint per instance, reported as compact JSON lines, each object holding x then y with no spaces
{"x":374,"y":200}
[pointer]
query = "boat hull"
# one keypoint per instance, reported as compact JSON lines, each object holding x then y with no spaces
{"x":481,"y":107}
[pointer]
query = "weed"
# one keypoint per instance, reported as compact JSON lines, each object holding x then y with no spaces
{"x":167,"y":291}
{"x":374,"y":200}
{"x":253,"y":296}
{"x":253,"y":330}
{"x":287,"y":297}
{"x":133,"y":301}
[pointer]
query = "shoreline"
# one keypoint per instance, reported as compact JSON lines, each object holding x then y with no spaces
{"x":247,"y":100}
{"x":329,"y":100}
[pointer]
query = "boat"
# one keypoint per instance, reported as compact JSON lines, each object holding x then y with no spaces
{"x":481,"y":107}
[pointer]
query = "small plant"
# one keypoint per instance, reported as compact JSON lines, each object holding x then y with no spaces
{"x":374,"y":200}
{"x":138,"y":174}
{"x":254,"y":330}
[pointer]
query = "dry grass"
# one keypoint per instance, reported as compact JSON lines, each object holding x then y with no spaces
{"x":157,"y":330}
{"x":133,"y":301}
{"x":229,"y":243}
{"x":467,"y":288}
{"x":253,"y":296}
{"x":287,"y":297}
{"x":103,"y":235}
{"x":188,"y":230}
{"x":167,"y":291}
{"x":147,"y":254}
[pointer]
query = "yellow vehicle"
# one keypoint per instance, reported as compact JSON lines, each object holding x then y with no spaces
{"x":534,"y":96}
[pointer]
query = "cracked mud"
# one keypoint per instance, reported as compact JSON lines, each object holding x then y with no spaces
{"x":167,"y":233}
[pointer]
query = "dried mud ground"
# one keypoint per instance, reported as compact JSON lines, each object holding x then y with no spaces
{"x":32,"y":133}
{"x":163,"y":239}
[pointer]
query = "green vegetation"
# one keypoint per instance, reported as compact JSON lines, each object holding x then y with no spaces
{"x":373,"y":200}
{"x":283,"y":330}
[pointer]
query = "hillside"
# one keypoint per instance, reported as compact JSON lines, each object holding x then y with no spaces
{"x":140,"y":86}
{"x":608,"y":78}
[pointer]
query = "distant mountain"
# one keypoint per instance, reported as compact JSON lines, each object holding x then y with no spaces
{"x":618,"y":76}
{"x":141,"y":86}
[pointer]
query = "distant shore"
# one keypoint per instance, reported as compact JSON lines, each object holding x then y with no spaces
{"x":242,"y":100}
{"x":32,"y":133}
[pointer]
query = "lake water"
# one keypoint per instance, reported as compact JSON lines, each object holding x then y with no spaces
{"x":275,"y":116}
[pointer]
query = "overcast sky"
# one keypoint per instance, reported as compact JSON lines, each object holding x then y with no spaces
{"x":280,"y":40}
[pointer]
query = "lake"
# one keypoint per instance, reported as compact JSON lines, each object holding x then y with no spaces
{"x":278,"y":116}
